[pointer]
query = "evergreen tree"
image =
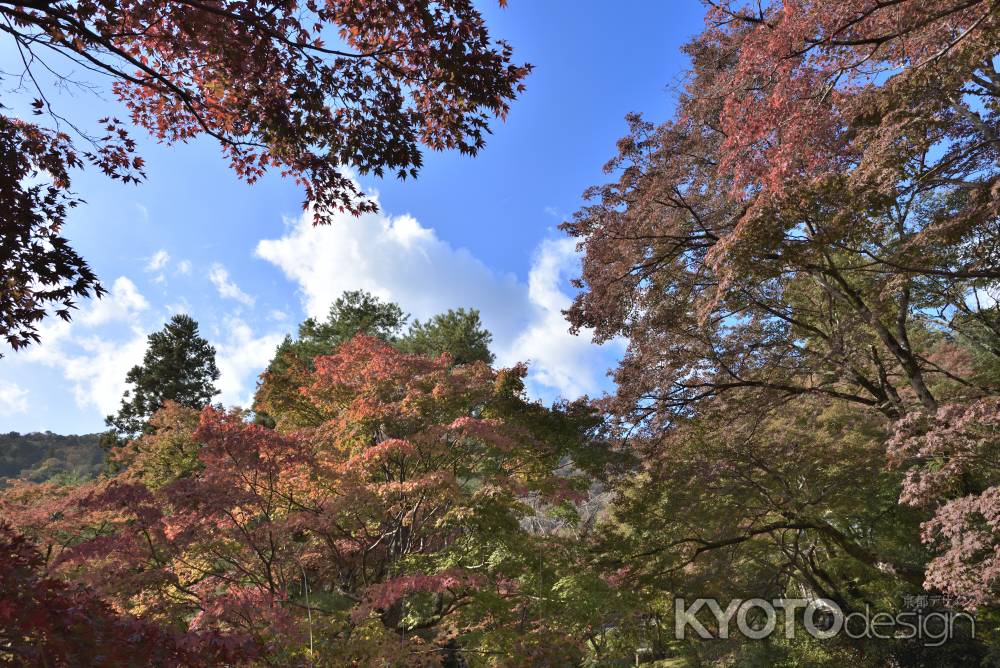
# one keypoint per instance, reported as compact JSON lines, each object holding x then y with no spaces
{"x":179,"y":366}
{"x":457,"y":332}
{"x":354,"y":312}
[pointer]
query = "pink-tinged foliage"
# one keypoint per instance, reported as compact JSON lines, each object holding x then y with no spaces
{"x":942,"y":450}
{"x":44,"y":621}
{"x":34,"y":255}
{"x":953,"y":460}
{"x":403,"y":484}
{"x":803,"y":70}
{"x":966,"y":532}
{"x":245,"y":607}
{"x":386,"y":594}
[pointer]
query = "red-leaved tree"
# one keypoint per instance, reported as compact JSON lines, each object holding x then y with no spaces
{"x":818,"y":222}
{"x":387,"y":531}
{"x":47,"y":622}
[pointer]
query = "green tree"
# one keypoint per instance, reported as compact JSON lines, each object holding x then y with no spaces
{"x":179,"y":366}
{"x":354,"y":312}
{"x":457,"y":332}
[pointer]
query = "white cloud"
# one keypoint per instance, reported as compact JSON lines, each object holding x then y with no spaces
{"x":108,"y":337}
{"x":397,"y":258}
{"x":984,"y":298}
{"x":122,"y":304}
{"x":98,"y":373}
{"x":158,"y":261}
{"x":13,"y":399}
{"x":184,"y":267}
{"x":226,"y":287}
{"x":181,"y":306}
{"x":562,"y":360}
{"x":241,"y":356}
{"x":90,"y":353}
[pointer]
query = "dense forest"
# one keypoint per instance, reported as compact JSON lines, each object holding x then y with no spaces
{"x":41,"y":456}
{"x":800,"y":462}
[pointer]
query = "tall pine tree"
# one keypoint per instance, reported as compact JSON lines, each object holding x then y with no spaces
{"x":179,"y":366}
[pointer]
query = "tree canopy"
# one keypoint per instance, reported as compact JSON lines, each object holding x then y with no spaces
{"x":804,"y":264}
{"x":458,"y":333}
{"x":384,"y":528}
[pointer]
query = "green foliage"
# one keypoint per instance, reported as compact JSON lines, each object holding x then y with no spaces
{"x":179,"y":366}
{"x":458,"y":332}
{"x":354,"y":312}
{"x":166,"y":452}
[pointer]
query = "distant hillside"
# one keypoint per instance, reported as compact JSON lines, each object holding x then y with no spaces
{"x":41,"y":456}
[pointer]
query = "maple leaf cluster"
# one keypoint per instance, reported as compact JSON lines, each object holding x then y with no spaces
{"x":44,"y":621}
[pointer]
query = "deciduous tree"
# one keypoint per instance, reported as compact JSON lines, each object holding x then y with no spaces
{"x":387,"y":526}
{"x":817,"y":226}
{"x":46,"y":622}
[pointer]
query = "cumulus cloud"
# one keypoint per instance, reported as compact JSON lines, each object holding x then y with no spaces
{"x":226,"y":286}
{"x":158,"y":261}
{"x":397,"y":258}
{"x":13,"y":399}
{"x":96,"y":349}
{"x":121,"y":305}
{"x":241,"y":355}
{"x":562,"y":360}
{"x":98,"y":369}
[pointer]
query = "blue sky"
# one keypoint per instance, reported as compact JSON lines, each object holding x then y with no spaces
{"x":477,"y":232}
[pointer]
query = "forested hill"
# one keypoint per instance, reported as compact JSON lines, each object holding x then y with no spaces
{"x":40,"y":456}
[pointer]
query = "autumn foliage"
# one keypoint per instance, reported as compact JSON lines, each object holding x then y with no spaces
{"x":804,"y":261}
{"x":46,"y":622}
{"x":385,"y":531}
